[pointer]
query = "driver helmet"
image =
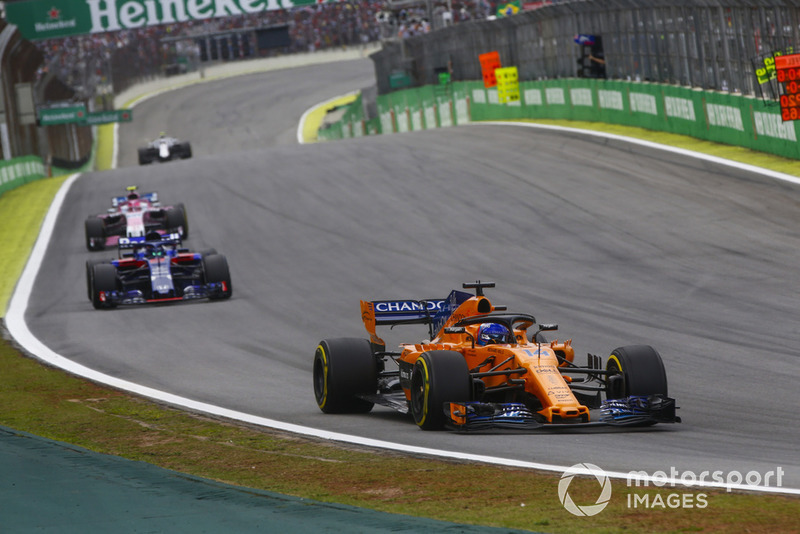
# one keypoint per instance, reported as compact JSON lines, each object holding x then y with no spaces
{"x":492,"y":333}
{"x":162,"y":135}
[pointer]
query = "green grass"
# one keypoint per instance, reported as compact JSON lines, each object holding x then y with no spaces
{"x":50,"y":403}
{"x":22,"y":211}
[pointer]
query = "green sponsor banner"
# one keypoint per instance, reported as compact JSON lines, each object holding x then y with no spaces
{"x":719,"y":117}
{"x":46,"y":19}
{"x":62,"y":115}
{"x":20,"y":171}
{"x":399,"y":104}
{"x":37,"y":19}
{"x":103,"y":117}
{"x":427,"y":98}
{"x":461,"y":92}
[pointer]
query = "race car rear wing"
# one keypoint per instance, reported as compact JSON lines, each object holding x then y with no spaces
{"x":433,"y":312}
{"x":152,"y":197}
{"x":138,"y":242}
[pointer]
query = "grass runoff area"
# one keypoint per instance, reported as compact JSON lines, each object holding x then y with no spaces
{"x":51,"y":403}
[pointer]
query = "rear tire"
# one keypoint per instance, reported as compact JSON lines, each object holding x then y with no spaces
{"x":343,"y":369}
{"x":439,"y":376}
{"x":144,"y":157}
{"x":103,"y":279}
{"x":182,"y":208}
{"x":215,"y":269}
{"x":95,"y":232}
{"x":186,"y":151}
{"x":635,"y":370}
{"x":175,"y":221}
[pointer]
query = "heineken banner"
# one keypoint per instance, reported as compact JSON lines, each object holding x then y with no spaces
{"x":104,"y":117}
{"x":62,"y":115}
{"x":45,"y":19}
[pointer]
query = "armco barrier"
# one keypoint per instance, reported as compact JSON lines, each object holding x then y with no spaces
{"x":712,"y":116}
{"x":20,"y":171}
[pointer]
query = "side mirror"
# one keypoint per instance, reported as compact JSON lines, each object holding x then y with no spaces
{"x":460,"y":330}
{"x":543,"y":328}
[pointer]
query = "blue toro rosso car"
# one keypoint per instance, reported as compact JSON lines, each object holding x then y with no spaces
{"x":153,"y":269}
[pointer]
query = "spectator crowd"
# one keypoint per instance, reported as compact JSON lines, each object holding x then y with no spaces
{"x":112,"y":61}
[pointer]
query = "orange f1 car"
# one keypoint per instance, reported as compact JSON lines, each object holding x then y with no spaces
{"x":481,"y":369}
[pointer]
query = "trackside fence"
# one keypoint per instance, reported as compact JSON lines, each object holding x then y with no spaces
{"x":713,"y":116}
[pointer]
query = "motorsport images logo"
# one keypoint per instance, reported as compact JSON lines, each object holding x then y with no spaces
{"x":589,"y":509}
{"x":686,"y":479}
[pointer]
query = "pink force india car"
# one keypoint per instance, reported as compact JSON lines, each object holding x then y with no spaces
{"x":134,"y":215}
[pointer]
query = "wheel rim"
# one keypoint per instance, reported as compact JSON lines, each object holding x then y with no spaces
{"x":619,"y":383}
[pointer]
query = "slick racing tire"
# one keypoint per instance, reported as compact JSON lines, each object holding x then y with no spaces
{"x":182,"y":208}
{"x":186,"y":150}
{"x":103,"y":279}
{"x":635,"y":370}
{"x":215,"y":270}
{"x":90,"y":273}
{"x":175,"y":220}
{"x":144,"y":156}
{"x":95,"y":234}
{"x":438,"y":376}
{"x":343,"y":369}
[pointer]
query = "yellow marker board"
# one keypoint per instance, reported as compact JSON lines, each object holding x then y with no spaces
{"x":507,"y":84}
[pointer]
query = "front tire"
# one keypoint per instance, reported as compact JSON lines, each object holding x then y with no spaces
{"x":90,"y":274}
{"x":439,"y":376}
{"x":215,"y":270}
{"x":103,"y":280}
{"x":343,"y":369}
{"x":635,"y":370}
{"x":186,"y":151}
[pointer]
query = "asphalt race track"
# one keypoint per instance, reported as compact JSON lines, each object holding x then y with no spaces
{"x":617,"y":243}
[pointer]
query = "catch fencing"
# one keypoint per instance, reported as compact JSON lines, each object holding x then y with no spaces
{"x":707,"y":44}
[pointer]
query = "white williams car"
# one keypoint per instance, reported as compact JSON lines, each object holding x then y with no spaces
{"x":164,"y":148}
